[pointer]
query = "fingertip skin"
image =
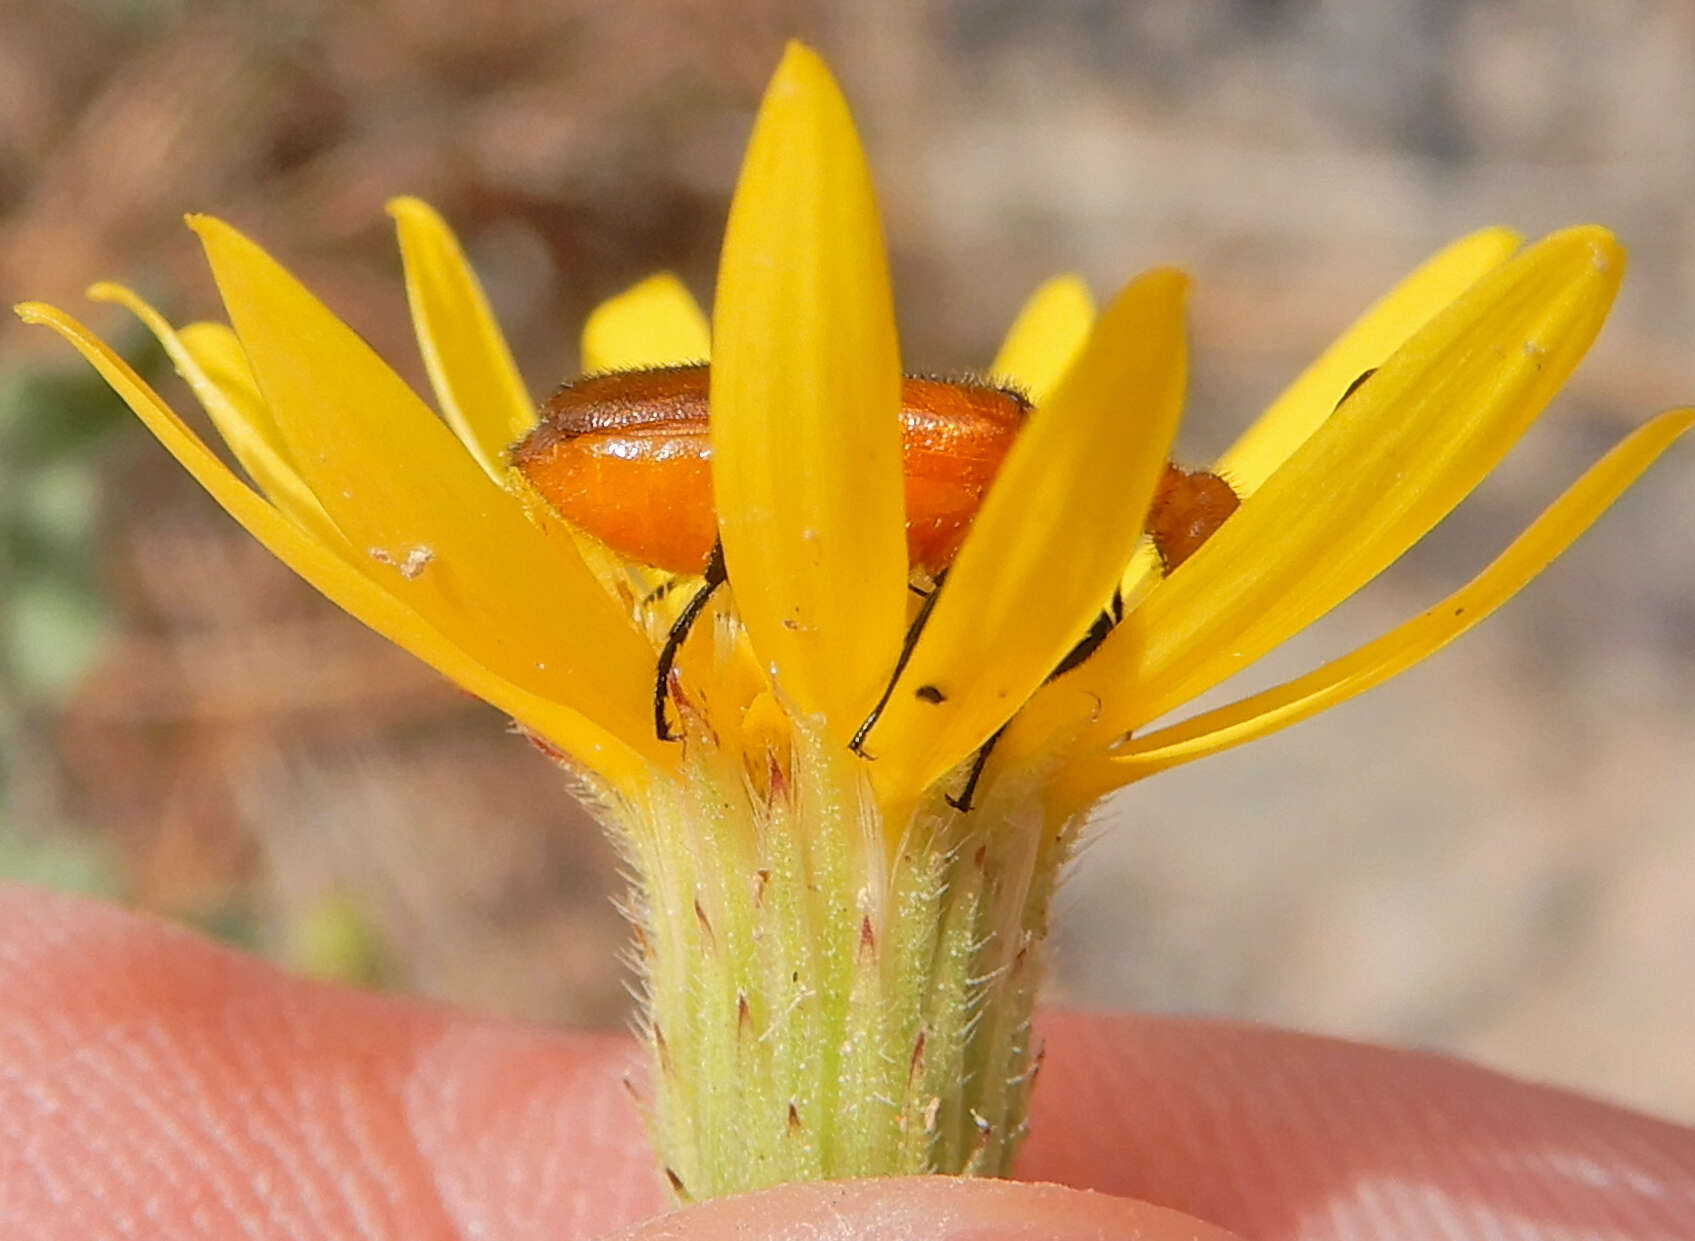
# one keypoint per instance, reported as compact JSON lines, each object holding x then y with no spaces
{"x":934,"y":1208}
{"x":1278,"y":1134}
{"x":153,"y":1084}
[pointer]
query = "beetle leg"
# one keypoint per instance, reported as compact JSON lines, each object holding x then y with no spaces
{"x":1086,"y":646}
{"x":1354,"y":387}
{"x":715,"y":577}
{"x":962,"y":803}
{"x":857,"y":745}
{"x":1103,"y":625}
{"x":664,"y":588}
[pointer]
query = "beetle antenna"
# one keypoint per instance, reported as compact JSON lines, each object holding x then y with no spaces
{"x":715,"y":577}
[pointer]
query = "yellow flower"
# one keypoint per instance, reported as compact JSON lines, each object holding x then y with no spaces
{"x":416,"y":525}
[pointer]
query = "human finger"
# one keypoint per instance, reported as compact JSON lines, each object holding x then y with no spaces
{"x":1282,"y":1135}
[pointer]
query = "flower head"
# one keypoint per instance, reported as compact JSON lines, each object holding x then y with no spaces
{"x":826,"y":738}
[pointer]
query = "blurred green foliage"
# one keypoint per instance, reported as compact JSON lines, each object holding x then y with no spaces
{"x":57,"y":425}
{"x":54,"y":425}
{"x":69,"y":863}
{"x":335,"y":939}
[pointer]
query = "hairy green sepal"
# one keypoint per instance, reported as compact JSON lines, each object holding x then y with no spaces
{"x":822,"y":1002}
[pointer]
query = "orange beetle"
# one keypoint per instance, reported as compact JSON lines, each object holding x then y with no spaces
{"x":627,"y":457}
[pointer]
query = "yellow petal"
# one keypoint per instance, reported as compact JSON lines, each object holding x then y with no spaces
{"x":210,"y":361}
{"x":398,"y":485}
{"x":1046,"y":336}
{"x":806,"y":377}
{"x":1306,"y":403}
{"x":1373,"y":337}
{"x":654,"y":323}
{"x":216,"y":353}
{"x":476,"y":382}
{"x":339,"y":579}
{"x":1046,"y":550}
{"x":1417,"y":639}
{"x":1372,"y":480}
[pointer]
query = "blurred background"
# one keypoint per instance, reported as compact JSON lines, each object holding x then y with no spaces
{"x":1493,"y":855}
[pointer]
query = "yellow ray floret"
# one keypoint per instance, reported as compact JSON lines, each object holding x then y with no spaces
{"x":1382,"y":329}
{"x":1053,"y":535}
{"x":462,"y":656}
{"x":805,"y":395}
{"x":402,"y":489}
{"x":1374,"y":478}
{"x":476,"y":383}
{"x":210,"y":361}
{"x":1045,"y":338}
{"x":1302,"y":407}
{"x":1370,"y":665}
{"x":654,"y":323}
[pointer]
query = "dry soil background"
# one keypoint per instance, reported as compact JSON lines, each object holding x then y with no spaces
{"x":1492,"y":855}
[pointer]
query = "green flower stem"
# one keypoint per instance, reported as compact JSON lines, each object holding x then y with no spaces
{"x":816,"y":1009}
